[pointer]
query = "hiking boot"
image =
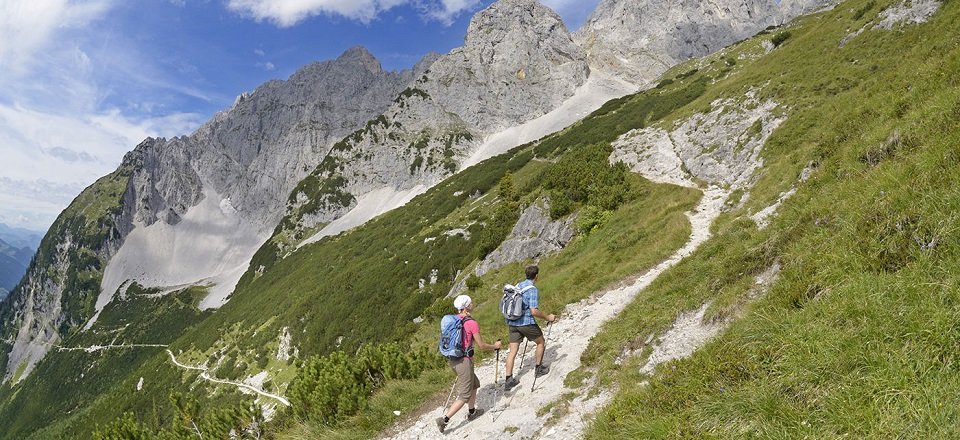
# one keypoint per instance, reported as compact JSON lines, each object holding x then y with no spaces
{"x":475,"y":414}
{"x":442,"y":424}
{"x":541,"y":370}
{"x":510,"y":383}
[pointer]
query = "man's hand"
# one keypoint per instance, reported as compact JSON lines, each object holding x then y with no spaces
{"x":551,"y":317}
{"x":497,"y":345}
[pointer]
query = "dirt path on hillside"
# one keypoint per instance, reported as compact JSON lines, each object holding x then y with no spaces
{"x":204,"y":374}
{"x":517,"y":410}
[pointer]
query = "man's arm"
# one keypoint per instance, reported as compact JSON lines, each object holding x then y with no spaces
{"x":537,"y":313}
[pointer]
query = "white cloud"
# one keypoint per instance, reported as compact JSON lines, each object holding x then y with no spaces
{"x":39,"y":144}
{"x":446,"y":11}
{"x":286,"y":13}
{"x":56,"y":134}
{"x":29,"y":25}
{"x":33,"y":204}
{"x":49,"y":158}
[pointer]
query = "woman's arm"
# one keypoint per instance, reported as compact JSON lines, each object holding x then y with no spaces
{"x":484,"y":346}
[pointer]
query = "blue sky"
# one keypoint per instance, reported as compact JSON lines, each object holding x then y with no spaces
{"x":84,"y":81}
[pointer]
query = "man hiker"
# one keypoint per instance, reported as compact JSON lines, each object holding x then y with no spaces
{"x":467,"y":383}
{"x":526,"y":327}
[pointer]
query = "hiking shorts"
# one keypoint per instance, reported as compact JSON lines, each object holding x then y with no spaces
{"x":467,"y":380}
{"x":531,"y":332}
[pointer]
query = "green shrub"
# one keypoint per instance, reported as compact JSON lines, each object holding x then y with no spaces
{"x":125,"y":427}
{"x":590,"y":218}
{"x":584,"y":177}
{"x":779,"y":38}
{"x":330,"y":388}
{"x":687,"y":74}
{"x":474,"y":282}
{"x":664,"y":83}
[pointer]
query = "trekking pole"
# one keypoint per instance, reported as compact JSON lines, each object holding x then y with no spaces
{"x":496,"y":378}
{"x":549,"y":327}
{"x":496,"y":368}
{"x":444,"y":409}
{"x":525,"y":344}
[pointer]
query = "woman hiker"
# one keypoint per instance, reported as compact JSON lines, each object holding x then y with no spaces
{"x":467,"y":382}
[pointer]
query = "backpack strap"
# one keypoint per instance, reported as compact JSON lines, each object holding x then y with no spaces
{"x":522,"y":298}
{"x":468,"y":350}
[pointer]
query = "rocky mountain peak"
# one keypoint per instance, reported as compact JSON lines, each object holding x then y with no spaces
{"x":510,"y":16}
{"x":518,"y":62}
{"x":360,"y":57}
{"x":425,"y":63}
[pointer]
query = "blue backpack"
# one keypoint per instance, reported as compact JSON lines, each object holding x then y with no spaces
{"x":451,"y":337}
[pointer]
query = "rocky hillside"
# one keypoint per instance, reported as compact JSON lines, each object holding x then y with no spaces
{"x":518,"y":62}
{"x":192,"y":208}
{"x":628,"y":36}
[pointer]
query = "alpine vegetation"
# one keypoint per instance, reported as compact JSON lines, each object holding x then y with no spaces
{"x":712,"y":219}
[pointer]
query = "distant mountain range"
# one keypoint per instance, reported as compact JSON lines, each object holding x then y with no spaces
{"x":19,"y":237}
{"x":17,"y":247}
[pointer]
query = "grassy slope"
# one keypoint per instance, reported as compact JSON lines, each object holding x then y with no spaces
{"x":88,"y":222}
{"x":69,"y":389}
{"x":859,"y":336}
{"x":635,"y":237}
{"x":379,"y":264}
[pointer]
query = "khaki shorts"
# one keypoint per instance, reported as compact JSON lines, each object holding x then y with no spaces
{"x":467,"y":380}
{"x":531,"y":332}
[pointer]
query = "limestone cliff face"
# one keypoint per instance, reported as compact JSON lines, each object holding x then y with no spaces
{"x":517,"y":63}
{"x":249,"y":158}
{"x":256,"y":152}
{"x":640,"y":39}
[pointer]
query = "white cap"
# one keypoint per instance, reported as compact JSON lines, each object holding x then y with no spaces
{"x":462,"y":302}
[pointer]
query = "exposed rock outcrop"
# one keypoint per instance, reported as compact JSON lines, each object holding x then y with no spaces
{"x":256,"y":152}
{"x":909,"y":12}
{"x":518,"y":62}
{"x":533,"y":236}
{"x":641,"y":39}
{"x":719,"y":148}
